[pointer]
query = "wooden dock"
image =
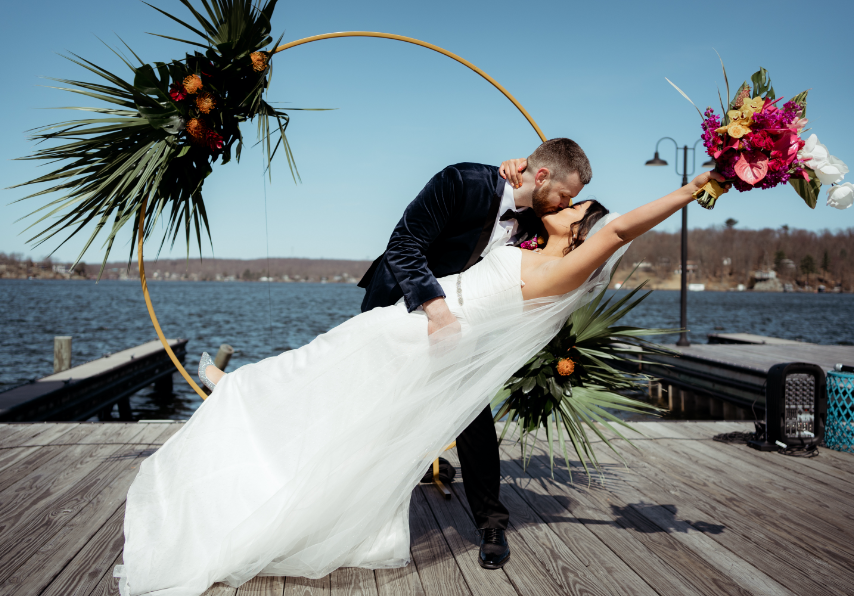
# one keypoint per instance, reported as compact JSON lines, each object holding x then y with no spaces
{"x":689,"y":516}
{"x":93,"y":387}
{"x":719,"y":375}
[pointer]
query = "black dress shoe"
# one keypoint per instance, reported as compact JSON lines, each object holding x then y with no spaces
{"x":494,"y":550}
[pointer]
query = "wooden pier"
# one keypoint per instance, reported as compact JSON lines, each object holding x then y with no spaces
{"x":726,"y":377}
{"x":689,"y":516}
{"x":91,"y":388}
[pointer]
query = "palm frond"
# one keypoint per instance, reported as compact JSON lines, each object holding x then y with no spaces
{"x":139,"y":148}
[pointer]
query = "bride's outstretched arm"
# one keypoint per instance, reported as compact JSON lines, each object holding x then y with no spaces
{"x":564,"y":275}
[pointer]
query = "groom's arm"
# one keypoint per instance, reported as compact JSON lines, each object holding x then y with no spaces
{"x":423,"y":222}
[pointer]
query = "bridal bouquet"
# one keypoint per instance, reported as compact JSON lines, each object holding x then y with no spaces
{"x":574,"y":381}
{"x":756,"y":143}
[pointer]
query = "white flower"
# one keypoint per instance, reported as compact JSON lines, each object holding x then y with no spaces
{"x":832,"y":171}
{"x":827,"y":167}
{"x":840,"y":196}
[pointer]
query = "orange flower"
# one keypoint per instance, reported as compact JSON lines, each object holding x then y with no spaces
{"x":192,"y":84}
{"x":197,"y":130}
{"x":259,"y":61}
{"x":205,"y":102}
{"x":565,"y":367}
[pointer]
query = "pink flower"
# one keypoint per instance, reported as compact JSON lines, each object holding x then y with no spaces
{"x":761,"y":140}
{"x":752,"y":166}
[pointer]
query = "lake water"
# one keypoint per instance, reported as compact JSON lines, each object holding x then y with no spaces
{"x":263,"y":319}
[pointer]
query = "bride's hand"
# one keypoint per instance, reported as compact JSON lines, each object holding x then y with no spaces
{"x":701,"y":180}
{"x":512,"y":169}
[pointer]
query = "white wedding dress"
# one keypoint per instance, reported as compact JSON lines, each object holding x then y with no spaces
{"x":305,"y":462}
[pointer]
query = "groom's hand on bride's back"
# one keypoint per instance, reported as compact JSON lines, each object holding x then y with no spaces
{"x":511,"y":170}
{"x":439,"y":316}
{"x":441,"y":324}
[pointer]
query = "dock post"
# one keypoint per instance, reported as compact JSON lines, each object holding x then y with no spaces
{"x":672,"y":397}
{"x":61,"y":353}
{"x":730,"y":412}
{"x":125,"y":413}
{"x":163,"y":385}
{"x":687,"y":400}
{"x":716,"y":408}
{"x":702,"y":403}
{"x":223,"y":356}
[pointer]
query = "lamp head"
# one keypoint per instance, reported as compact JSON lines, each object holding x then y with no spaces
{"x":656,"y":161}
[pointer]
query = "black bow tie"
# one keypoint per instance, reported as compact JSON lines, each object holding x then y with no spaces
{"x":510,"y":214}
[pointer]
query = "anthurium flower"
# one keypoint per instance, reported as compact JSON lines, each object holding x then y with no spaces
{"x":786,"y":142}
{"x":751,"y":166}
{"x":840,"y":196}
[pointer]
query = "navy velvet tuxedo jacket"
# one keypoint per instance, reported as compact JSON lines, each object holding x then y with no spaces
{"x":442,"y":232}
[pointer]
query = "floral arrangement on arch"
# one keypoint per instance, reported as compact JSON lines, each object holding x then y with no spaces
{"x":756,"y":143}
{"x":164,"y":131}
{"x":579,"y":379}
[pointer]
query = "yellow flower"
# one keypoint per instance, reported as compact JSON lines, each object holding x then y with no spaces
{"x":737,"y":129}
{"x":541,"y":241}
{"x":740,"y":121}
{"x":755,"y":104}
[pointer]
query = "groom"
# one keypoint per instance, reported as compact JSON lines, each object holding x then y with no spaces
{"x":462,"y":213}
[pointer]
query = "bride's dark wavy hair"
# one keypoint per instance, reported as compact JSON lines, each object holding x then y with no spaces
{"x":580,"y":229}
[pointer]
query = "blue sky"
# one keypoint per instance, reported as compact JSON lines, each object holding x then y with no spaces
{"x":593,"y":72}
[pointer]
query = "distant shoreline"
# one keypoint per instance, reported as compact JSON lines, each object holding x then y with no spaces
{"x":614,"y":285}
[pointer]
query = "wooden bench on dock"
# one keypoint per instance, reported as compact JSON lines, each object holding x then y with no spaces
{"x":688,"y":517}
{"x":85,"y":390}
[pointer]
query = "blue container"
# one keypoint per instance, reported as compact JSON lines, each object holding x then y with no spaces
{"x":839,"y":432}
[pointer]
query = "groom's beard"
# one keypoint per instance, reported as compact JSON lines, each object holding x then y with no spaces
{"x":540,"y":203}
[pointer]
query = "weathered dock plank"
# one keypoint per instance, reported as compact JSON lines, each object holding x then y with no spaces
{"x":460,"y":533}
{"x":431,"y":554}
{"x":789,"y":572}
{"x":552,"y":555}
{"x":94,"y":534}
{"x":750,"y":535}
{"x":756,"y":474}
{"x":685,"y":566}
{"x":688,"y":516}
{"x":399,"y":582}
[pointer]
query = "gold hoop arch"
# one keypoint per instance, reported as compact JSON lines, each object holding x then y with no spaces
{"x":282,"y":48}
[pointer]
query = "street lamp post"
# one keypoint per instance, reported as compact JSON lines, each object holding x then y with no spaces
{"x":657,"y":161}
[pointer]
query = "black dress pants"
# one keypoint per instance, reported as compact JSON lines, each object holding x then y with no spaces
{"x":480,"y":466}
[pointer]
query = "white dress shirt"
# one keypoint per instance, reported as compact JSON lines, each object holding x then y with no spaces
{"x":503,"y":231}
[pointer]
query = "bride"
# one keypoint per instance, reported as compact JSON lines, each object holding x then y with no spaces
{"x":277,"y":473}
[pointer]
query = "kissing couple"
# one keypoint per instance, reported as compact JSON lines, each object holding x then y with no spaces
{"x":305,"y":462}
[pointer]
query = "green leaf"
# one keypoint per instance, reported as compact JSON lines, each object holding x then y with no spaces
{"x":801,"y":100}
{"x":529,"y":384}
{"x":762,"y":84}
{"x":807,"y":190}
{"x":685,"y":96}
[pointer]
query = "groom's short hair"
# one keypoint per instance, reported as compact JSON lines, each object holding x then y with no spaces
{"x":561,"y":157}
